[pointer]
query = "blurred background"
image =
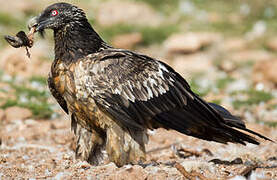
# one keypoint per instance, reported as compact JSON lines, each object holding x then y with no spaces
{"x":227,"y":51}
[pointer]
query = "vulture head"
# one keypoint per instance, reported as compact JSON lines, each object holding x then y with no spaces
{"x":58,"y":16}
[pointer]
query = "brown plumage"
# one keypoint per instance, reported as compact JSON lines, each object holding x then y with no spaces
{"x":113,"y":96}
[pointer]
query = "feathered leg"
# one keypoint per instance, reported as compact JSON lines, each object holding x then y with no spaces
{"x":89,"y":145}
{"x":123,"y":147}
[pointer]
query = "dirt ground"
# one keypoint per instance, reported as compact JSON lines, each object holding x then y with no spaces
{"x":43,"y":149}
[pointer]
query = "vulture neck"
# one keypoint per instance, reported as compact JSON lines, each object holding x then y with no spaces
{"x":76,"y":41}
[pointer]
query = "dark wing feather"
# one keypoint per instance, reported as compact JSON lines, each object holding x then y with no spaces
{"x":140,"y":92}
{"x":133,"y":88}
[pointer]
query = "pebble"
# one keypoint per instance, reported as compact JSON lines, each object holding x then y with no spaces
{"x":47,"y":172}
{"x":238,"y":178}
{"x":59,"y":176}
{"x":31,"y":168}
{"x":25,"y":157}
{"x":21,"y":113}
{"x":30,"y":122}
{"x":83,"y":165}
{"x":66,"y":156}
{"x":21,"y":139}
{"x":238,"y":85}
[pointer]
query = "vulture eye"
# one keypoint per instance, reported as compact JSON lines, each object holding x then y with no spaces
{"x":54,"y":13}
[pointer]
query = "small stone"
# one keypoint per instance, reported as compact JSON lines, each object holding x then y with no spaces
{"x":239,"y":85}
{"x":2,"y":114}
{"x":59,"y":176}
{"x":250,"y":55}
{"x":130,"y":12}
{"x":273,"y":158}
{"x":25,"y":157}
{"x":265,"y":71}
{"x":189,"y":42}
{"x":66,"y":156}
{"x":30,"y":122}
{"x":258,"y":30}
{"x":272,"y":44}
{"x":227,"y":66}
{"x":17,"y":113}
{"x":187,"y":64}
{"x":235,"y":44}
{"x":127,"y":41}
{"x":17,"y":63}
{"x":21,"y":139}
{"x":237,"y":177}
{"x":47,"y":172}
{"x":58,"y":125}
{"x":131,"y":173}
{"x":83,"y":165}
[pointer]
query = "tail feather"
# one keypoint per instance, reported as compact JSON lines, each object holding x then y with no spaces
{"x":234,"y":121}
{"x":209,"y":122}
{"x":227,"y":116}
{"x":193,"y":126}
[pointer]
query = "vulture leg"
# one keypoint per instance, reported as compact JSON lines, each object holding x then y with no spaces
{"x":89,"y":145}
{"x":125,"y":147}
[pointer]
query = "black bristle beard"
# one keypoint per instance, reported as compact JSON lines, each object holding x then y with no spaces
{"x":42,"y":33}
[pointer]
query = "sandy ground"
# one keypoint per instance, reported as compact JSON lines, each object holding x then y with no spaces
{"x":43,"y":149}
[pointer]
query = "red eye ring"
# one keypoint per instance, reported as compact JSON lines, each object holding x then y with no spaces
{"x":54,"y":13}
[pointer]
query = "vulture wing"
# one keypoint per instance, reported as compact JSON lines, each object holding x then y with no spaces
{"x":140,"y":92}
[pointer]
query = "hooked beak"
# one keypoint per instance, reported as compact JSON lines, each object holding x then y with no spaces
{"x":39,"y":26}
{"x":33,"y":23}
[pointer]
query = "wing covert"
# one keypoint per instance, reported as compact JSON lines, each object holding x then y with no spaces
{"x":132,"y":88}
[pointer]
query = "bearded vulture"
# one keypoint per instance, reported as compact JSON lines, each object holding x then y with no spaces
{"x":114,"y":95}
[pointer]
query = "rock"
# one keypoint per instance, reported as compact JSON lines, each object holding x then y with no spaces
{"x":15,"y":61}
{"x":227,"y":66}
{"x":17,"y":113}
{"x":154,"y":51}
{"x":234,"y":44}
{"x":265,"y":72}
{"x":191,"y":165}
{"x":238,"y":85}
{"x":2,"y":114}
{"x":187,"y":64}
{"x":133,"y":172}
{"x":61,"y":175}
{"x":250,"y":55}
{"x":58,"y":125}
{"x":258,"y":30}
{"x":116,"y":12}
{"x":189,"y":42}
{"x":272,"y":44}
{"x":85,"y":165}
{"x":126,"y":41}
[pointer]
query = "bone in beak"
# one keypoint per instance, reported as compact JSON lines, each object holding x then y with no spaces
{"x":32,"y":23}
{"x":31,"y":35}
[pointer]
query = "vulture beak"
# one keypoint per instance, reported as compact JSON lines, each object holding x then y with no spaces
{"x":33,"y":23}
{"x":39,"y":26}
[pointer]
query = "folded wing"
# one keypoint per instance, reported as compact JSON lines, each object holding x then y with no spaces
{"x":140,"y":92}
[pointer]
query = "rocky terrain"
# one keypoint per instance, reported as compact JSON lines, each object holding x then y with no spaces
{"x":227,"y":51}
